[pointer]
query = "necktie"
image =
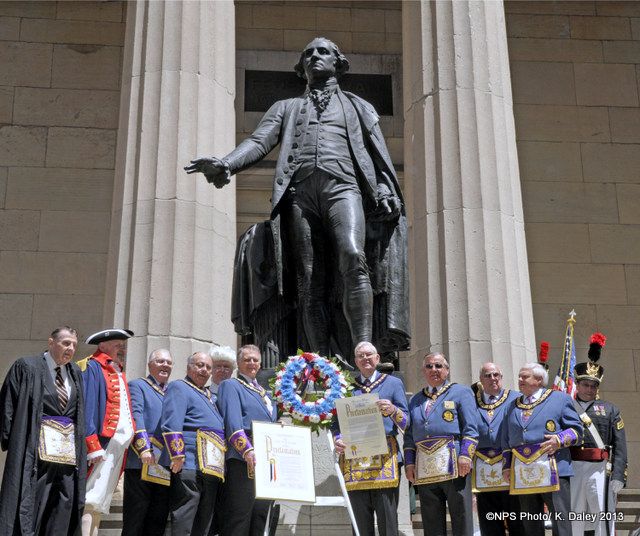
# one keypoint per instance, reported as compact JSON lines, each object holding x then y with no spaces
{"x":492,"y":400}
{"x":63,"y":398}
{"x":366,"y":382}
{"x":263,"y":394}
{"x":526,"y":413}
{"x":430,"y":402}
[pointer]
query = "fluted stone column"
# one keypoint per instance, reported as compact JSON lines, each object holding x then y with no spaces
{"x":470,"y":289}
{"x":172,"y":236}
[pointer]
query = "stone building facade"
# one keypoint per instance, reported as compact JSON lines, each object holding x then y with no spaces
{"x":515,"y":128}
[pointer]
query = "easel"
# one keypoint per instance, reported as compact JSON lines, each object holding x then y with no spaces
{"x":333,"y":500}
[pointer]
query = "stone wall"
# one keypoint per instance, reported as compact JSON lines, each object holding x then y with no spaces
{"x":59,"y":101}
{"x":575,"y":70}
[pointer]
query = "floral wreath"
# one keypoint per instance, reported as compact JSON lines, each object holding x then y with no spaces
{"x":310,"y":409}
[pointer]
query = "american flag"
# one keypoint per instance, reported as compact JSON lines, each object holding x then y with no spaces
{"x":564,"y":378}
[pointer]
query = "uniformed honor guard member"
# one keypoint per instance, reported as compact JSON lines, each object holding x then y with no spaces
{"x":193,"y":433}
{"x":145,"y":501}
{"x":438,"y":448}
{"x":539,"y":427}
{"x":109,"y":421}
{"x":492,"y":493}
{"x":42,"y":430}
{"x":374,"y":491}
{"x":600,"y":464}
{"x":242,"y":400}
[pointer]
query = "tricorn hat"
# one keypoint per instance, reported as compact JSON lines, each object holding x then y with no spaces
{"x":591,"y":370}
{"x":110,"y":334}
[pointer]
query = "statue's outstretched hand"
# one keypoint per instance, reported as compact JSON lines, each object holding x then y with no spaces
{"x":213,"y":169}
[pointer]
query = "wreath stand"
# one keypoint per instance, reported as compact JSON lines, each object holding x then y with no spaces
{"x":334,"y":500}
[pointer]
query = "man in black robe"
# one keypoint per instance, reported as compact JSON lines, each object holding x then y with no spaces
{"x":43,"y":484}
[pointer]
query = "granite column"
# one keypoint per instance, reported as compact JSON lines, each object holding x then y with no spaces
{"x":471,"y":296}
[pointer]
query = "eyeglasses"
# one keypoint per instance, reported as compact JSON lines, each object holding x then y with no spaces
{"x":492,"y":375}
{"x":434,"y":366}
{"x":221,"y":367}
{"x":364,"y":355}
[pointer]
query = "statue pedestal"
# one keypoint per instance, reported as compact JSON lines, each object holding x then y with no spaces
{"x":306,"y":520}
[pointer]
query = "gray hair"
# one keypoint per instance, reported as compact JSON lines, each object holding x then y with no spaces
{"x":436,"y":354}
{"x":538,"y":371}
{"x":158,"y":353}
{"x":363,"y":344}
{"x":248,"y":347}
{"x":484,"y":365}
{"x":223,"y":353}
{"x":192,"y":357}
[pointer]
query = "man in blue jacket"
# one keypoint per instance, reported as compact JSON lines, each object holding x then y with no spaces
{"x":242,"y":400}
{"x":146,"y":503}
{"x":539,"y":427}
{"x":376,"y":492}
{"x":193,"y":434}
{"x":492,"y":493}
{"x":438,"y":449}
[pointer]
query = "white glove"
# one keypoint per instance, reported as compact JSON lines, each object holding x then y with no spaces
{"x":616,"y":486}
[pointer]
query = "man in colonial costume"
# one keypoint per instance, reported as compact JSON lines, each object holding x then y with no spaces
{"x":241,"y":401}
{"x":600,"y":463}
{"x":539,"y":427}
{"x":438,"y":448}
{"x":109,"y":421}
{"x":492,"y":493}
{"x":42,"y":430}
{"x":193,"y":433}
{"x":146,"y":499}
{"x":377,"y":491}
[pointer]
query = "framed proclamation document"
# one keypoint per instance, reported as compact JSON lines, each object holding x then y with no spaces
{"x":361,"y":426}
{"x":284,"y":462}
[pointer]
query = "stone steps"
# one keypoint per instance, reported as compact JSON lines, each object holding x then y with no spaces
{"x":628,"y":504}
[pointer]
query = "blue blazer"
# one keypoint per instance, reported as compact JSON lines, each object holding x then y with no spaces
{"x":240,"y":405}
{"x":490,"y":429}
{"x":146,"y":406}
{"x":453,"y":414}
{"x":185,"y":409}
{"x":552,"y":413}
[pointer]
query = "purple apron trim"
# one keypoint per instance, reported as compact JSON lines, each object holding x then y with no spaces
{"x":64,"y":421}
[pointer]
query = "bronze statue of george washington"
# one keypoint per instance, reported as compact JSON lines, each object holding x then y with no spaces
{"x":329,"y":269}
